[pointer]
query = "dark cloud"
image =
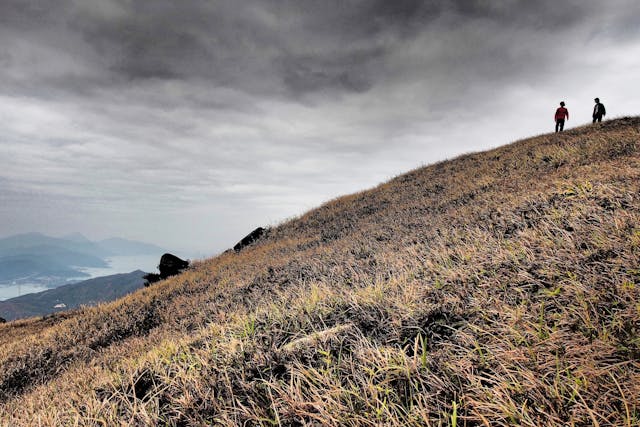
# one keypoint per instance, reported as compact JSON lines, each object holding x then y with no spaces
{"x":541,"y":14}
{"x":350,"y":72}
{"x":280,"y":47}
{"x":29,"y":15}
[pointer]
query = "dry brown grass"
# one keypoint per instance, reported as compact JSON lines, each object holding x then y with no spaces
{"x":498,"y":288}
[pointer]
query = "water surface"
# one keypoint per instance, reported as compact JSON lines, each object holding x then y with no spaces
{"x":117,"y":265}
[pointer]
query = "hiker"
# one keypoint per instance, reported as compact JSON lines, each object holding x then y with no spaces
{"x":561,"y":114}
{"x":598,"y":111}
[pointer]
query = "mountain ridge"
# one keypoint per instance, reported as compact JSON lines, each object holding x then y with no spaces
{"x":26,"y":240}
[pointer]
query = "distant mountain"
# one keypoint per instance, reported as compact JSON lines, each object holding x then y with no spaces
{"x":19,"y":243}
{"x":88,"y":292}
{"x":60,"y":255}
{"x":34,"y":268}
{"x":38,"y":258}
{"x":129,"y":247}
{"x":42,"y":262}
{"x":76,"y":242}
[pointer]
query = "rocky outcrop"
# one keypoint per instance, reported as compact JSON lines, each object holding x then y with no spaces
{"x":252,"y":237}
{"x":170,"y":265}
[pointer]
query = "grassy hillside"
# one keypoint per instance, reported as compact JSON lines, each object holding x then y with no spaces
{"x":498,"y":288}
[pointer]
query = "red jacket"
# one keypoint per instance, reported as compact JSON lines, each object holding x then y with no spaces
{"x":561,"y":113}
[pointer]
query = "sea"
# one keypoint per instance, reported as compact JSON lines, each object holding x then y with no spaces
{"x":117,"y":265}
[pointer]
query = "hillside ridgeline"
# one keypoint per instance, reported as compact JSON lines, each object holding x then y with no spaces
{"x":497,"y":288}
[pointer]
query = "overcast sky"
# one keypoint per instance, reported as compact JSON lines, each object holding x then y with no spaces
{"x":188,"y":123}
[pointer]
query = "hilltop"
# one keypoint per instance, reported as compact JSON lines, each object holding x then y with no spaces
{"x":497,"y":288}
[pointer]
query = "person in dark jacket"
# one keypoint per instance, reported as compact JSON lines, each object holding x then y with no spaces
{"x":561,"y":114}
{"x":598,"y":111}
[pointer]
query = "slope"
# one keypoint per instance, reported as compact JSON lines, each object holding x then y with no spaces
{"x":498,"y":288}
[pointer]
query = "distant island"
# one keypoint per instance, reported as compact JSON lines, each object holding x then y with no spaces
{"x":35,"y":258}
{"x":67,"y":297}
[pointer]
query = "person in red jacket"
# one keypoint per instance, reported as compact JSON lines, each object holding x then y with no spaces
{"x":561,"y":114}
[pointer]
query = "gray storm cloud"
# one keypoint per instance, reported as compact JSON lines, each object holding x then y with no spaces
{"x":196,"y":120}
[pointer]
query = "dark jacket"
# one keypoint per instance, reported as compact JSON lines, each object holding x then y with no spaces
{"x":598,"y":110}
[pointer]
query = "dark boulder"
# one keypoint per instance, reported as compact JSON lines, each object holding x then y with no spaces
{"x":2,"y":320}
{"x":170,"y":265}
{"x":252,"y":237}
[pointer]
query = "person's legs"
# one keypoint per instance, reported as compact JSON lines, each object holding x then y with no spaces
{"x":599,"y":118}
{"x":559,"y":125}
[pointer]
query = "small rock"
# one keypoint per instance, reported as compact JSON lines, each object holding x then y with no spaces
{"x":249,"y":239}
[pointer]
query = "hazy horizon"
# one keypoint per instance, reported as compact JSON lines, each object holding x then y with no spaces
{"x":188,"y":124}
{"x":186,"y":252}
